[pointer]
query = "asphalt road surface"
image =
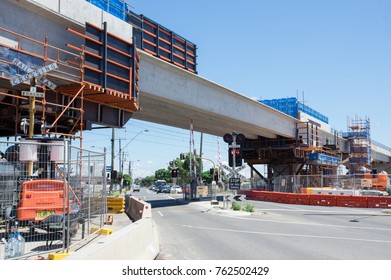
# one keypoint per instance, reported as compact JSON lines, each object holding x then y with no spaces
{"x":201,"y":231}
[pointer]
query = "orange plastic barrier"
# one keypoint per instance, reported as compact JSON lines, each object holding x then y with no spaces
{"x":352,"y":201}
{"x":41,"y":198}
{"x":322,"y":200}
{"x":379,"y":202}
{"x":303,"y":199}
{"x":319,"y":199}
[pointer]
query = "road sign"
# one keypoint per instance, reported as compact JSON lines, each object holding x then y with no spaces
{"x":240,"y":197}
{"x":31,"y":73}
{"x":32,"y":93}
{"x":234,"y":183}
{"x":232,"y":170}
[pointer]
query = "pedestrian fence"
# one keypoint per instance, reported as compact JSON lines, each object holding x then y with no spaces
{"x":51,"y":197}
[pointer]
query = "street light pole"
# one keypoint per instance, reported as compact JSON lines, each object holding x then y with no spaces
{"x":213,"y":176}
{"x":145,"y":130}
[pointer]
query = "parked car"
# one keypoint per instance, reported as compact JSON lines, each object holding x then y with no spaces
{"x":136,"y":188}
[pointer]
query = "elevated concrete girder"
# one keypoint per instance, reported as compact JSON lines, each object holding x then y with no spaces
{"x":169,"y":113}
{"x":202,"y":100}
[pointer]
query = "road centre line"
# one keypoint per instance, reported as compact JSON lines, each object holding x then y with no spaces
{"x":289,"y":235}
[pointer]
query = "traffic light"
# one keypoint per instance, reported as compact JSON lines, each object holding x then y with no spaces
{"x":238,"y":157}
{"x":174,"y":172}
{"x":113,"y":174}
{"x":228,"y":138}
{"x":214,"y":172}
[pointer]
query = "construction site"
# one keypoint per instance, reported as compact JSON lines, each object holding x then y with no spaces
{"x":72,"y":74}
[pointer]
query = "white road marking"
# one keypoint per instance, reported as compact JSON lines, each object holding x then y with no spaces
{"x":290,"y":235}
{"x":308,"y":224}
{"x":160,"y":213}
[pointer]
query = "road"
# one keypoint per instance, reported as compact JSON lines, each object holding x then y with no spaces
{"x":199,"y":231}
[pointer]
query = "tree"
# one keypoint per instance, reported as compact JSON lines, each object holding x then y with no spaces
{"x":163,"y":174}
{"x":147,"y":181}
{"x":127,"y":180}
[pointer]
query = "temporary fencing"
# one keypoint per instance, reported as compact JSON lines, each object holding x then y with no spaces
{"x":359,"y":190}
{"x":51,"y":196}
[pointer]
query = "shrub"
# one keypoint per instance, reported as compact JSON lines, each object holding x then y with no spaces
{"x":235,"y":206}
{"x":249,"y":208}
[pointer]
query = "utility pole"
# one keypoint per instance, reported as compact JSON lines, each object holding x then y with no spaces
{"x":120,"y":167}
{"x":201,"y":167}
{"x":112,"y":158}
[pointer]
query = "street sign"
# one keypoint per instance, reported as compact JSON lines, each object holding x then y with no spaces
{"x":231,"y":169}
{"x":31,"y":93}
{"x":240,"y":197}
{"x":31,"y":73}
{"x":234,"y":183}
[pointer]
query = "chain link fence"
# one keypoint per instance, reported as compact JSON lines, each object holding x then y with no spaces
{"x":353,"y":184}
{"x":52,"y":197}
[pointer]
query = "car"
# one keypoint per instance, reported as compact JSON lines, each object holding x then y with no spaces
{"x":136,"y":188}
{"x":163,"y":189}
{"x":176,"y":189}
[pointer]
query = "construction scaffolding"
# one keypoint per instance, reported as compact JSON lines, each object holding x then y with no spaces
{"x":359,"y":140}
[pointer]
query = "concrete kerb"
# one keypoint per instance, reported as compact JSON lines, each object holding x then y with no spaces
{"x":218,"y":209}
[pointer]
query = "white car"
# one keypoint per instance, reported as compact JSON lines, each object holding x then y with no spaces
{"x":176,"y":189}
{"x":136,"y":188}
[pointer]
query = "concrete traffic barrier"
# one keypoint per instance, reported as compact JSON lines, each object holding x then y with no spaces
{"x":137,"y":209}
{"x":136,"y":241}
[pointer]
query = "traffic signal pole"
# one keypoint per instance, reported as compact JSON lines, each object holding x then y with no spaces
{"x":234,"y":146}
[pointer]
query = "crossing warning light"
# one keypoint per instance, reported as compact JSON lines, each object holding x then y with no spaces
{"x":238,"y":157}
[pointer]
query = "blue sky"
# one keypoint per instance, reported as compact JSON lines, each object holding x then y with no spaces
{"x":336,"y":55}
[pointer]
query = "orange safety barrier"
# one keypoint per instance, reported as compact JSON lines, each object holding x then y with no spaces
{"x":352,"y":201}
{"x":282,"y":198}
{"x":41,"y":198}
{"x":294,"y":198}
{"x":260,"y":195}
{"x":319,"y":199}
{"x":379,"y":202}
{"x":322,"y":200}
